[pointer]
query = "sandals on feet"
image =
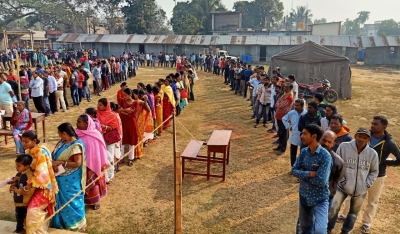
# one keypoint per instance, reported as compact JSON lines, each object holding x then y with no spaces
{"x":130,"y":163}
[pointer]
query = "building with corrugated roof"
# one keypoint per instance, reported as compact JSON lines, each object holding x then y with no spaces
{"x":261,"y":48}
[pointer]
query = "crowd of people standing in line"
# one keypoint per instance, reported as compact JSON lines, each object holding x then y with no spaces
{"x":47,"y":180}
{"x":332,"y":167}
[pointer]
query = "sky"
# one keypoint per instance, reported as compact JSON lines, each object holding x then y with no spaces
{"x":332,"y":10}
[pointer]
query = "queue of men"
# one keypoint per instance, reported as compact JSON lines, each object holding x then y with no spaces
{"x":332,"y":167}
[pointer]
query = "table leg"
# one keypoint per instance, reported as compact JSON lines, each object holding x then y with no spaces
{"x":44,"y":130}
{"x":214,"y":154}
{"x":183,"y":167}
{"x":229,"y":151}
{"x":208,"y":165}
{"x":224,"y":167}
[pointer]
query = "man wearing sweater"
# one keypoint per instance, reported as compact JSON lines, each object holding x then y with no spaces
{"x":382,"y":142}
{"x":361,"y":163}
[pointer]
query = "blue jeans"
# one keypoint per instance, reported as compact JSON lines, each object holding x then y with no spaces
{"x":46,"y":104}
{"x":313,"y":219}
{"x":80,"y":92}
{"x":86,"y":89}
{"x":355,"y":207}
{"x":262,"y":112}
{"x":74,"y":94}
{"x":256,"y":103}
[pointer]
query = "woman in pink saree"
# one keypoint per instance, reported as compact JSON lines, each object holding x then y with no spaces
{"x":96,"y":159}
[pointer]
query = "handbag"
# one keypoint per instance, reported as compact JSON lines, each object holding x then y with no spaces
{"x":112,"y":137}
{"x":183,"y":93}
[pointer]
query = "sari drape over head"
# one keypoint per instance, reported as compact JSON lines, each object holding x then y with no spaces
{"x":107,"y":117}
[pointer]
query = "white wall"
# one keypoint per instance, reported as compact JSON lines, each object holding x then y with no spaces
{"x":330,"y":29}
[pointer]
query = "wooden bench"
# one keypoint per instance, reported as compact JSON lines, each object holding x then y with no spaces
{"x":36,"y":118}
{"x":219,"y":142}
{"x":6,"y":134}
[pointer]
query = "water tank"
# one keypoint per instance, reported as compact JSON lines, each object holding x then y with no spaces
{"x":361,"y":54}
{"x":243,"y":58}
{"x":249,"y":59}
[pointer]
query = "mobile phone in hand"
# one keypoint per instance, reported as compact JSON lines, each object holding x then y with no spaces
{"x":314,"y":167}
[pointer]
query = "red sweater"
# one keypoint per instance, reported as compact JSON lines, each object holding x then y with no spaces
{"x":283,"y":106}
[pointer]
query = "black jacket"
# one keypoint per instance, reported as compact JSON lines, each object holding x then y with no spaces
{"x":337,"y":173}
{"x":384,"y":148}
{"x":306,"y":119}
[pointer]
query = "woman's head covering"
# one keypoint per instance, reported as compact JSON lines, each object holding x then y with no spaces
{"x":107,"y":117}
{"x":96,"y":152}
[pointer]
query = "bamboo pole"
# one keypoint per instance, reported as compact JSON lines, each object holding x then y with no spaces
{"x":177,"y":183}
{"x":17,"y":74}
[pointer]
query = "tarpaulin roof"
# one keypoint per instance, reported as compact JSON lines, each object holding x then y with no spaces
{"x":309,"y":52}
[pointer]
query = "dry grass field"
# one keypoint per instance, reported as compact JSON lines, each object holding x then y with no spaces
{"x":259,"y":195}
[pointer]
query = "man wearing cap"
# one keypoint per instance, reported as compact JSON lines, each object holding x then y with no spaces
{"x":382,"y":142}
{"x":362,"y":167}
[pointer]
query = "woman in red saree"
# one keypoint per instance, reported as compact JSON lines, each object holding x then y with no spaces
{"x":168,"y":103}
{"x":143,"y":109}
{"x":127,"y":113}
{"x":159,"y":109}
{"x":96,"y":159}
{"x":43,"y":200}
{"x":109,"y":122}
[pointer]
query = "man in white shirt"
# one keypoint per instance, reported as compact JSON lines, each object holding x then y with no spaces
{"x":167,"y":60}
{"x":36,"y":85}
{"x":52,"y":91}
{"x":97,"y":78}
{"x":148,"y":59}
{"x":292,"y":79}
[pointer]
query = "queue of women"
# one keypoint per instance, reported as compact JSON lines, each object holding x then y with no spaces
{"x":87,"y":157}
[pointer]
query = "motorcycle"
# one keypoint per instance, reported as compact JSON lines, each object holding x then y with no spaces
{"x":323,"y":87}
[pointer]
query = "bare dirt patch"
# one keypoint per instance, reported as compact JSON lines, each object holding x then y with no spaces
{"x":259,"y":195}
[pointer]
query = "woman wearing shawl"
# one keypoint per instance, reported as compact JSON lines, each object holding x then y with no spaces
{"x":43,"y":200}
{"x":142,"y":110}
{"x":148,"y":118}
{"x":159,"y":109}
{"x":168,"y":103}
{"x":330,"y":110}
{"x":70,"y":154}
{"x":108,"y":121}
{"x":21,"y":121}
{"x":178,"y":64}
{"x":127,"y":113}
{"x":96,"y":159}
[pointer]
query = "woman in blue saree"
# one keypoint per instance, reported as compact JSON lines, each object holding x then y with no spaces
{"x":70,"y":153}
{"x":21,"y":121}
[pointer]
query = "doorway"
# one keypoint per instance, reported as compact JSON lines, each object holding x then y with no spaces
{"x":141,"y":48}
{"x":263,"y":53}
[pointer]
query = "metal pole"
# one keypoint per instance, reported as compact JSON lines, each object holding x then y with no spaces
{"x":177,"y":182}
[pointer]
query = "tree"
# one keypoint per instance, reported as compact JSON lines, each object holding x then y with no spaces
{"x":320,"y":21}
{"x":113,"y":17}
{"x":353,"y":27}
{"x":388,"y":27}
{"x":259,"y":13}
{"x":183,"y":22}
{"x":301,"y":14}
{"x":143,"y":16}
{"x":202,"y":10}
